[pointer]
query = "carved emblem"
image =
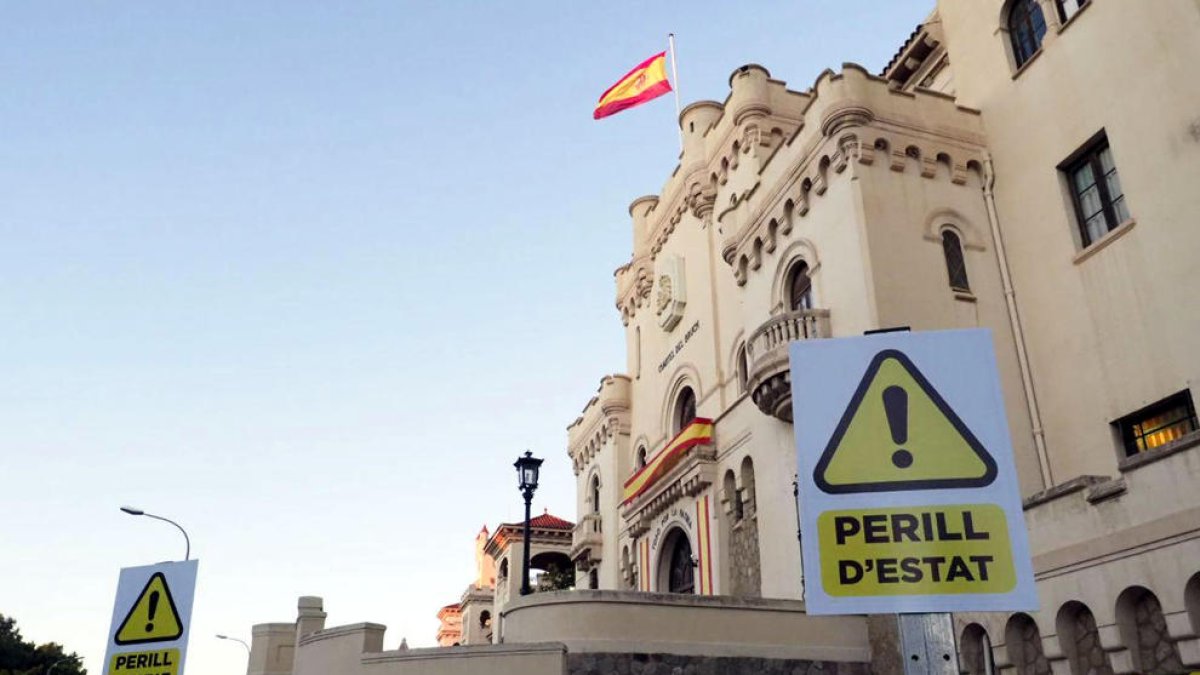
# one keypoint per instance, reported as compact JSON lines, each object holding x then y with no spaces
{"x":664,"y":293}
{"x":671,"y":297}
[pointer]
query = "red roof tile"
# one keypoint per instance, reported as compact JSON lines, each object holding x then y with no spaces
{"x":550,"y":522}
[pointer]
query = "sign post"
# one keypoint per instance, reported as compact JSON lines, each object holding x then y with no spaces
{"x":151,"y":619}
{"x":908,"y":493}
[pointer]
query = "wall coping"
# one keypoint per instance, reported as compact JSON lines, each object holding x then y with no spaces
{"x":341,"y":631}
{"x":465,"y":651}
{"x":638,"y":598}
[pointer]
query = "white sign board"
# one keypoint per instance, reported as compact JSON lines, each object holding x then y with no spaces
{"x":908,"y":492}
{"x":151,"y":619}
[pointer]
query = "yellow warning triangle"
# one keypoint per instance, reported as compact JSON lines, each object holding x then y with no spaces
{"x":898,"y":433}
{"x":153,"y":617}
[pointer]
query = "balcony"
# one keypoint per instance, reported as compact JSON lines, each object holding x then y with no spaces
{"x":587,"y":541}
{"x":768,"y":376}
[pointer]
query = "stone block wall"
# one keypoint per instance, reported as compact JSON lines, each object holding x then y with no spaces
{"x":745,"y":570}
{"x":675,"y":664}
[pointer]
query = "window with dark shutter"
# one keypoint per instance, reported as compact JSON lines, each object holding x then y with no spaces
{"x":956,"y":266}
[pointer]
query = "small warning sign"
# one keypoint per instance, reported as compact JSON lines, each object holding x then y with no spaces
{"x":158,"y":662}
{"x":898,"y":433}
{"x":930,"y":550}
{"x":153,"y":617}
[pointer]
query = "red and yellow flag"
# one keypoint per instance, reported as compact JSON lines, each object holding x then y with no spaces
{"x":645,"y":82}
{"x":699,"y":432}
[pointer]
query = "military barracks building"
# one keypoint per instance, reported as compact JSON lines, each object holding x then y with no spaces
{"x":1027,"y":166}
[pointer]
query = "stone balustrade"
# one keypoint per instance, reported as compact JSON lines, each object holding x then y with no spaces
{"x":767,"y":365}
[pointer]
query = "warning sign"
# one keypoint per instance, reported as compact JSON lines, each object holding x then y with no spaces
{"x":153,"y":617}
{"x":898,"y":433}
{"x":149,"y":630}
{"x":160,"y":662}
{"x":908,"y":495}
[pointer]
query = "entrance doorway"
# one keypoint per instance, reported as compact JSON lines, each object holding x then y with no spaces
{"x":680,"y":571}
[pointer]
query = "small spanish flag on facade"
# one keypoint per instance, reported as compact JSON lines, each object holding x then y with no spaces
{"x":645,"y":82}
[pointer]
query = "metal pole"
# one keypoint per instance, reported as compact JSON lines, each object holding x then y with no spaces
{"x":525,"y":553}
{"x":799,"y":530}
{"x":187,"y":552}
{"x":675,"y":77}
{"x":927,"y":644}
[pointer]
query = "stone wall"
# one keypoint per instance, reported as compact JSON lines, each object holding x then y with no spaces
{"x":745,"y":573}
{"x":674,"y":664}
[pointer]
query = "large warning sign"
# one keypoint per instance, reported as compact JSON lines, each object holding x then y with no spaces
{"x":153,"y":610}
{"x":908,"y":494}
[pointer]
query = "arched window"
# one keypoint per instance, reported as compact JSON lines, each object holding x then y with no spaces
{"x":742,"y":369}
{"x":595,"y":494}
{"x":748,"y":497}
{"x":641,"y":457}
{"x":799,"y":288}
{"x":1079,"y":638}
{"x":1144,"y":631}
{"x":1024,"y":642}
{"x":504,"y":569}
{"x":976,"y":651}
{"x":1026,"y":28}
{"x":685,"y":409}
{"x":485,"y":619}
{"x":956,"y":266}
{"x":732,"y":496}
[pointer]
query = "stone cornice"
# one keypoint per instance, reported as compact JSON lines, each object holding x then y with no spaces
{"x":860,"y":119}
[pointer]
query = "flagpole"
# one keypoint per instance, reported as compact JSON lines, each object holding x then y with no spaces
{"x":675,"y":76}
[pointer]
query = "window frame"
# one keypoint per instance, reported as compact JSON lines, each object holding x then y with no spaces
{"x":1088,"y":155}
{"x":681,"y":403}
{"x":1060,"y":7}
{"x":1027,"y":7}
{"x":800,"y":267}
{"x":1130,"y":436}
{"x":960,"y":252}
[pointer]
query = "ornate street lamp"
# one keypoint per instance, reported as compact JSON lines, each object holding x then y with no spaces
{"x":527,"y":480}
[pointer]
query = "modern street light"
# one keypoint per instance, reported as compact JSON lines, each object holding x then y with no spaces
{"x":527,"y":477}
{"x":134,"y":511}
{"x":50,"y":669}
{"x":242,"y":643}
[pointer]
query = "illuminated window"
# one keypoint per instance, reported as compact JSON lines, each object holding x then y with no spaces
{"x":1156,"y":425}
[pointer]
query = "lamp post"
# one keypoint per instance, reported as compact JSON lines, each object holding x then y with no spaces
{"x":527,"y":480}
{"x":134,"y":511}
{"x":62,"y":660}
{"x":242,"y":643}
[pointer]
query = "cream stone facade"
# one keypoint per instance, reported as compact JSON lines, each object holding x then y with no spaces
{"x":1025,"y":166}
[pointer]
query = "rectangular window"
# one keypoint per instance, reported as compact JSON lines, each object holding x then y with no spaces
{"x":1068,"y":8}
{"x":1156,"y":425}
{"x":1095,"y":190}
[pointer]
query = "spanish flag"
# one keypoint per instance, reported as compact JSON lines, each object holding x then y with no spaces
{"x":647,"y":81}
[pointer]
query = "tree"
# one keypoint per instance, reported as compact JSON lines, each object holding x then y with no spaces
{"x":18,"y":657}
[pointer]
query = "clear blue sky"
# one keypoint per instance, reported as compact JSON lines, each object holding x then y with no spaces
{"x":308,"y":276}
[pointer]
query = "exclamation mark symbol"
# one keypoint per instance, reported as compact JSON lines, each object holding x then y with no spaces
{"x":895,"y":405}
{"x":154,"y":608}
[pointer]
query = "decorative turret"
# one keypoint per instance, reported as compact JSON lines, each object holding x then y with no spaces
{"x":640,"y":211}
{"x":694,"y":122}
{"x":749,"y":95}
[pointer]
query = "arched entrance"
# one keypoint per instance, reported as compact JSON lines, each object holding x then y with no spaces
{"x":677,"y":572}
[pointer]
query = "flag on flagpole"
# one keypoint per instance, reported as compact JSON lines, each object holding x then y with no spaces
{"x":645,"y":82}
